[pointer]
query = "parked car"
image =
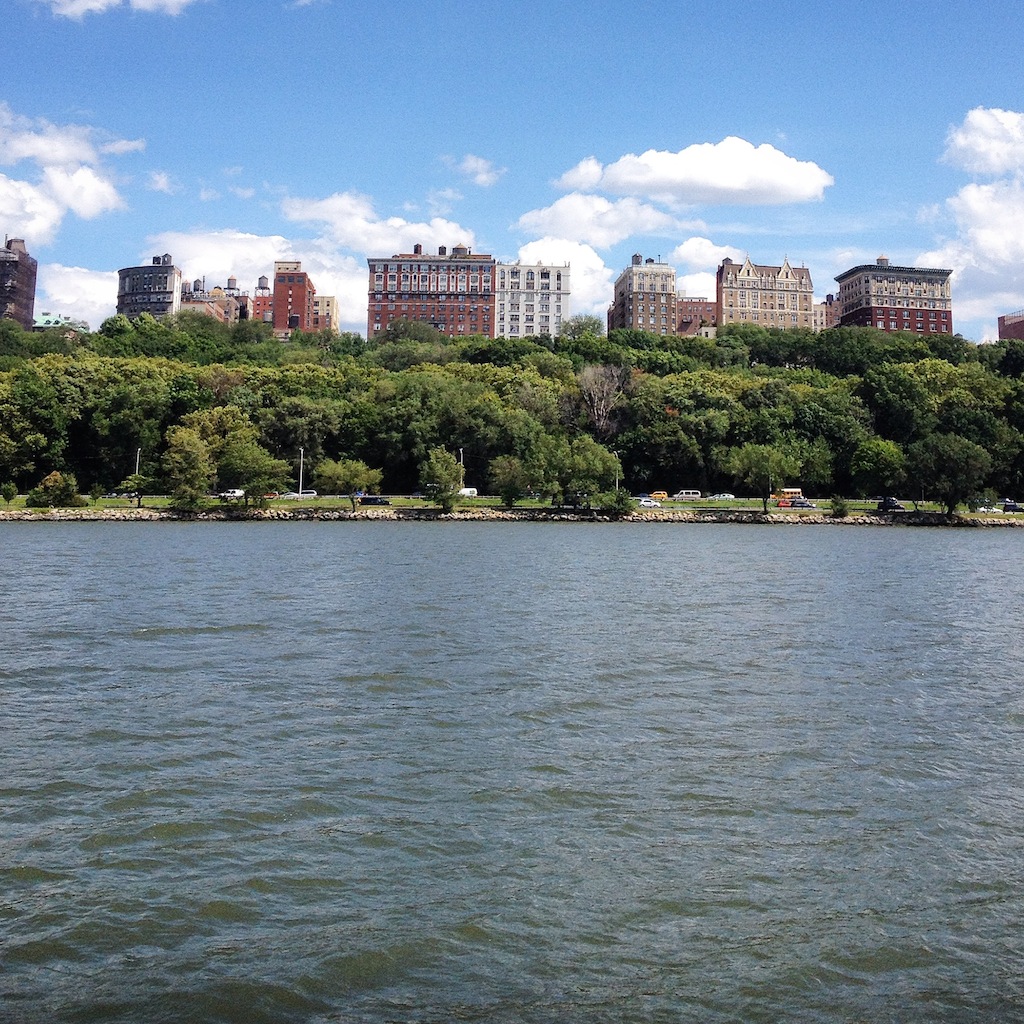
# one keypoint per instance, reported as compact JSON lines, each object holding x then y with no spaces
{"x":234,"y":492}
{"x":724,"y":496}
{"x":373,"y":499}
{"x":659,"y":495}
{"x":1012,"y":506}
{"x":649,"y":503}
{"x":296,"y":496}
{"x":800,"y":503}
{"x":686,"y":495}
{"x":891,"y":505}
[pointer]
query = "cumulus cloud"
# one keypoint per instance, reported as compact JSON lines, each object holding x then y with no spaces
{"x":80,"y":8}
{"x":590,"y":280}
{"x":698,"y":253}
{"x":476,"y":169}
{"x":697,"y":286}
{"x":732,"y":171}
{"x":985,"y":252}
{"x":82,"y":191}
{"x":220,"y":254}
{"x":28,"y":210}
{"x":349,"y":220}
{"x":67,"y":175}
{"x":597,"y":221}
{"x":989,"y":141}
{"x":89,"y":295}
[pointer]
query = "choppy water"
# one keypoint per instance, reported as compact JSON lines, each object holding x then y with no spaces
{"x":499,"y":772}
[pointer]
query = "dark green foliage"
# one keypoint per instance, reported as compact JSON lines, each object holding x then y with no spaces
{"x":846,"y":405}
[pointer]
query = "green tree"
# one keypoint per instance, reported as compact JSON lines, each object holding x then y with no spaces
{"x":509,"y":479}
{"x":134,"y":485}
{"x":948,"y":467}
{"x":346,"y":476}
{"x":762,"y":467}
{"x":8,"y":491}
{"x":878,"y":467}
{"x":580,"y":326}
{"x":441,"y":478}
{"x":189,"y":466}
{"x":245,"y":464}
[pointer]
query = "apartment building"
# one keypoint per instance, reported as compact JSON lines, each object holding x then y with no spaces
{"x":767,"y":295}
{"x":827,"y":314}
{"x":153,"y":288}
{"x":530,"y":299}
{"x":891,"y":298}
{"x":645,"y":297}
{"x":695,"y":315}
{"x":293,"y":297}
{"x":453,"y":292}
{"x":17,"y":283}
{"x":325,"y":313}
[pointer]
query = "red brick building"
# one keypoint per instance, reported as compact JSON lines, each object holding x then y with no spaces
{"x":892,"y":298}
{"x":453,"y":292}
{"x":293,"y":297}
{"x":693,"y":314}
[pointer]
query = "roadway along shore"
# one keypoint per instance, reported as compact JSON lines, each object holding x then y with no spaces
{"x":535,"y":515}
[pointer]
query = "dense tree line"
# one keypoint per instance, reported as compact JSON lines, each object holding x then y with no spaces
{"x":202,"y":405}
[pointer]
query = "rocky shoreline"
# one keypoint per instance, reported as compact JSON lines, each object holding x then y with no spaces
{"x":534,"y":515}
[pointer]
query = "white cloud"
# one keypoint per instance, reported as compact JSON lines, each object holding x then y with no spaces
{"x":80,"y":8}
{"x":121,"y":146}
{"x":986,"y":252}
{"x":699,"y":253}
{"x":989,"y":141}
{"x":732,"y":171}
{"x":89,"y":295}
{"x":477,"y":169}
{"x":43,"y":142}
{"x":697,"y":286}
{"x":28,"y":211}
{"x":242,"y":193}
{"x":82,"y":191}
{"x":351,"y":222}
{"x":67,"y":174}
{"x":598,"y":221}
{"x":591,"y":281}
{"x":218,"y":255}
{"x":208,"y":195}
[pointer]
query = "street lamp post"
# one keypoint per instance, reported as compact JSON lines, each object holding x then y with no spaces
{"x":301,"y":457}
{"x":138,"y":460}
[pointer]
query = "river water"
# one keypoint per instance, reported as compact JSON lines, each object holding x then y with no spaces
{"x":432,"y":772}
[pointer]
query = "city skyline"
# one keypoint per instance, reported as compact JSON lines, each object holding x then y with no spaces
{"x":580,"y":133}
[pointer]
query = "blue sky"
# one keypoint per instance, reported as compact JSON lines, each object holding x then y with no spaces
{"x":231,"y":134}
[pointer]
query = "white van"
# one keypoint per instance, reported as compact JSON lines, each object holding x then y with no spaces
{"x":467,"y":492}
{"x":686,"y":496}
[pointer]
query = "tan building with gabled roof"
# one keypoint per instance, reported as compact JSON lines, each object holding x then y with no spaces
{"x":769,"y":296}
